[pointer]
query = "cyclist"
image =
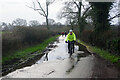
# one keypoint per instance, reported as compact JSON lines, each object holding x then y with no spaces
{"x":71,"y":37}
{"x":65,"y":33}
{"x":62,"y":34}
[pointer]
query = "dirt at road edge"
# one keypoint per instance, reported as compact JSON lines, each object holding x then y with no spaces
{"x":104,"y":69}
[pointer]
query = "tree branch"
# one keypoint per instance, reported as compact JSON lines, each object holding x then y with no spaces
{"x":118,"y":15}
{"x":41,"y":7}
{"x":37,"y":10}
{"x":86,"y":11}
{"x":33,"y":8}
{"x":41,"y":14}
{"x":65,"y":15}
{"x":48,"y":3}
{"x":71,"y":12}
{"x":30,"y":7}
{"x":83,"y":6}
{"x":76,"y":4}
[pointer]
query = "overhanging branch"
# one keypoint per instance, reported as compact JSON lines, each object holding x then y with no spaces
{"x":41,"y":14}
{"x":76,"y":4}
{"x":118,"y":15}
{"x":71,"y":12}
{"x":41,"y":7}
{"x":86,"y":11}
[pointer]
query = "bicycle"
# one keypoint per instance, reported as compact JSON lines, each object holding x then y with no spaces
{"x":71,"y":47}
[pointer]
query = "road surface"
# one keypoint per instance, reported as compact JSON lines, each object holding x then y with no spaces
{"x":57,"y":64}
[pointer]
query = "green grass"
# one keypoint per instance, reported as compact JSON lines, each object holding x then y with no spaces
{"x":25,"y":53}
{"x":1,"y":32}
{"x":103,"y":53}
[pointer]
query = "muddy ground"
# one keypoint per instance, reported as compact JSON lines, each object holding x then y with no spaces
{"x":18,"y":63}
{"x":105,"y":69}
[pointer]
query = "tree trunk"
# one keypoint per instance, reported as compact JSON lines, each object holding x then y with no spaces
{"x":47,"y":16}
{"x":79,"y":16}
{"x":47,"y":23}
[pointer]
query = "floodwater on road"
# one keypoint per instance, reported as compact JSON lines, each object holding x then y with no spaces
{"x":57,"y":64}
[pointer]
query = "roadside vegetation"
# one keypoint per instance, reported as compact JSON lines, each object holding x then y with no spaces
{"x":103,"y":53}
{"x":108,"y":40}
{"x":26,"y":53}
{"x":22,"y":41}
{"x":106,"y":45}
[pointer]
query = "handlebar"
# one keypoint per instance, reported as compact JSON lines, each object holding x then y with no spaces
{"x":69,"y":41}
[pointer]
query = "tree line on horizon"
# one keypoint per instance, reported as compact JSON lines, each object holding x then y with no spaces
{"x":32,"y":23}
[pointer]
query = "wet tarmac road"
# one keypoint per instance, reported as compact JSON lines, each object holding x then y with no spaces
{"x":57,"y":64}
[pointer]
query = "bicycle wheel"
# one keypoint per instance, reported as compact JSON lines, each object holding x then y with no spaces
{"x":71,"y":50}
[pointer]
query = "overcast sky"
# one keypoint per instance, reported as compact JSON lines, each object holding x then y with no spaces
{"x":12,"y":9}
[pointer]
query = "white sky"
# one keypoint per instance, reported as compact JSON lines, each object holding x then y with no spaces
{"x":12,"y":9}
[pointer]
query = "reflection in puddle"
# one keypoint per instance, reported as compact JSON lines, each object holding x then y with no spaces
{"x":75,"y":58}
{"x":69,"y":70}
{"x":50,"y":47}
{"x":72,"y":63}
{"x":46,"y":57}
{"x":60,"y":53}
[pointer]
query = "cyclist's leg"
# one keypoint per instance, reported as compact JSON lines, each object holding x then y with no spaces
{"x":73,"y":47}
{"x":68,"y":47}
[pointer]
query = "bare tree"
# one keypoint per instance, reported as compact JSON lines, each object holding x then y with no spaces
{"x":42,"y":11}
{"x":73,"y":12}
{"x":10,"y":26}
{"x":34,"y":23}
{"x":44,"y":23}
{"x":58,"y":23}
{"x":115,"y":9}
{"x":51,"y":21}
{"x":19,"y":22}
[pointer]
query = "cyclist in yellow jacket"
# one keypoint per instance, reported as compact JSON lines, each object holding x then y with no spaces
{"x":71,"y":37}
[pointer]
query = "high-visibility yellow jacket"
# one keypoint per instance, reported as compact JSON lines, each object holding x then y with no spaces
{"x":71,"y":37}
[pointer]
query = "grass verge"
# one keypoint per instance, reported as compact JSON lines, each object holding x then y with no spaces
{"x":103,"y":53}
{"x":25,"y":53}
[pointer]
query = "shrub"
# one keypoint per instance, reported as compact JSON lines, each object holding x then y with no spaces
{"x":113,"y":46}
{"x":21,"y":37}
{"x":85,"y":35}
{"x":109,"y":40}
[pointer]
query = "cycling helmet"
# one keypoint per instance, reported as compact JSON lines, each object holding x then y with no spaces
{"x":70,"y":30}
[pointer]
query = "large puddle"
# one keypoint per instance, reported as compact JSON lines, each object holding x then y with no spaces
{"x":59,"y":53}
